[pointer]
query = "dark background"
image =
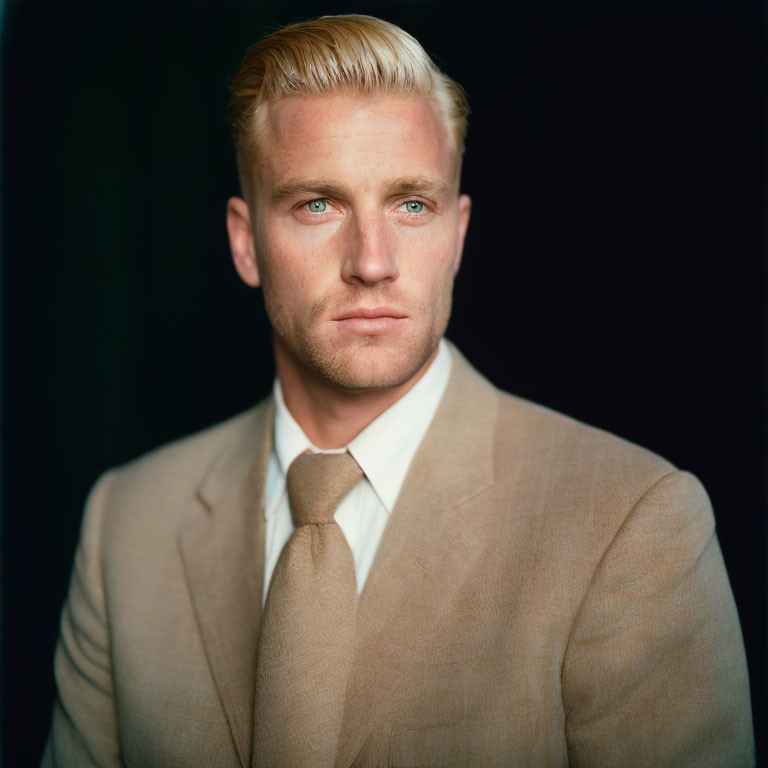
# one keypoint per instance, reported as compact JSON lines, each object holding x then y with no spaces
{"x":614,"y":267}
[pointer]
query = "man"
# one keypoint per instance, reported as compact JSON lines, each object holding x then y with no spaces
{"x":388,"y":561}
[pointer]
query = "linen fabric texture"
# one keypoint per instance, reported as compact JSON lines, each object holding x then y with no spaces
{"x":545,"y":594}
{"x":308,"y":629}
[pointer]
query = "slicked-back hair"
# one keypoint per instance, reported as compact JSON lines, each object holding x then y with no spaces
{"x":359,"y":54}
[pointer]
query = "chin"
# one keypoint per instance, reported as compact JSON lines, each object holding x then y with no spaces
{"x":370,"y":365}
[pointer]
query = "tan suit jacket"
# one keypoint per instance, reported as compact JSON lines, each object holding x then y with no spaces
{"x":545,"y":594}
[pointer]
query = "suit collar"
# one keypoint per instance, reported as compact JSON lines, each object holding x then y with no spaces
{"x":222,"y":549}
{"x":426,"y":553}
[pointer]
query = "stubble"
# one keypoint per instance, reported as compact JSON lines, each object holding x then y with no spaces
{"x":358,"y":363}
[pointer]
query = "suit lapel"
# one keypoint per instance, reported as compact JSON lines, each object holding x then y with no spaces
{"x":426,"y":552}
{"x":222,"y":548}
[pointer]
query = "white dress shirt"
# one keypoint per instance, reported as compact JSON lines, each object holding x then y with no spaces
{"x":384,"y":450}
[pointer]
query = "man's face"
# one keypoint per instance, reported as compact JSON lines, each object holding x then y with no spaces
{"x":357,"y":231}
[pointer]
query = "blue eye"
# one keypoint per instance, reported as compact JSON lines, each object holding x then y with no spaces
{"x":414,"y":206}
{"x":317,"y":206}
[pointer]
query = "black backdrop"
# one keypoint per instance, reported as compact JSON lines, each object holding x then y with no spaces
{"x":614,"y":267}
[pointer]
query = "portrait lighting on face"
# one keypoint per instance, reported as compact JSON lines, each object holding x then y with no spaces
{"x":352,"y":223}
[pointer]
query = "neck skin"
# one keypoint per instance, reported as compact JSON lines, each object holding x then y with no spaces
{"x":332,"y":417}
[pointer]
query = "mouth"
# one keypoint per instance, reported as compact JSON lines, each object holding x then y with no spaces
{"x":375,"y":321}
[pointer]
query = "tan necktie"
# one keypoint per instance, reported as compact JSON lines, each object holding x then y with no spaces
{"x":308,"y":627}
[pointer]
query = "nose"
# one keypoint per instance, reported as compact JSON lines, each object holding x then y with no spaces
{"x":370,"y":258}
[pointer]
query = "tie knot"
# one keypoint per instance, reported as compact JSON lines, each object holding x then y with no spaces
{"x":317,"y":482}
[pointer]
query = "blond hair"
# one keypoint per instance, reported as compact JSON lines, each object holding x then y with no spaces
{"x":331,"y":53}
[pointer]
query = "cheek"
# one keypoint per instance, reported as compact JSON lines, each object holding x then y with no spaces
{"x":430,"y":264}
{"x":296,"y":256}
{"x":291,"y":263}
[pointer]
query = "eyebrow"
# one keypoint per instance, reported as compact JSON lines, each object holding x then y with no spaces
{"x":412,"y":185}
{"x":300,"y":187}
{"x":318,"y":188}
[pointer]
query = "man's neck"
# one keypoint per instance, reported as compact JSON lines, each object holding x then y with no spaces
{"x":331,"y":417}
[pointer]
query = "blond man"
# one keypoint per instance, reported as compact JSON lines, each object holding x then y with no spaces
{"x":388,"y":561}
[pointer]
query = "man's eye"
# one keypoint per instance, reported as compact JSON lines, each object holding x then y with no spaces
{"x":316,"y":206}
{"x":413,"y":206}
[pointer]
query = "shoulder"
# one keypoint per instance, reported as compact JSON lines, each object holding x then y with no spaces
{"x":550,"y":466}
{"x":590,"y":485}
{"x":155,"y":488}
{"x":546,"y":452}
{"x":557,"y":439}
{"x":533,"y":439}
{"x":189,"y":457}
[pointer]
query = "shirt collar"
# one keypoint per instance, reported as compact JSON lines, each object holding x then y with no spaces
{"x":385,"y":448}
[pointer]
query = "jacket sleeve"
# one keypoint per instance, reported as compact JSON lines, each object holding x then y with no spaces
{"x":84,"y":726}
{"x":655,"y":673}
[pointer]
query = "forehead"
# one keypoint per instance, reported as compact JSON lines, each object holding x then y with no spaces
{"x":353,"y":138}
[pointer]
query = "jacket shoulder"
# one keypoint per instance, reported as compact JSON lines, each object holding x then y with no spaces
{"x":554,"y":455}
{"x":191,"y":455}
{"x":565,"y":441}
{"x":163,"y":482}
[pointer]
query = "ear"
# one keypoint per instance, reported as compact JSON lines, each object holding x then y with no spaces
{"x":465,"y":207}
{"x":241,"y":241}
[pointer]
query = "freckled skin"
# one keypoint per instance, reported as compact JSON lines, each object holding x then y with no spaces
{"x":367,"y":248}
